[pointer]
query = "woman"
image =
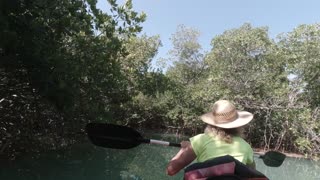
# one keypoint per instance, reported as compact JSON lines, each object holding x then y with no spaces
{"x":221,"y":137}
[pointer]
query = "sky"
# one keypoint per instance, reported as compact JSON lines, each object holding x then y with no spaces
{"x":213,"y":17}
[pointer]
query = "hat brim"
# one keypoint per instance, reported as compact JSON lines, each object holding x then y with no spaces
{"x":244,"y":118}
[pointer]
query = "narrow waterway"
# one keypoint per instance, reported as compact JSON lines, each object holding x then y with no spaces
{"x":148,"y":162}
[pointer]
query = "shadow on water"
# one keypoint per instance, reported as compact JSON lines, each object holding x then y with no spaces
{"x":148,"y":162}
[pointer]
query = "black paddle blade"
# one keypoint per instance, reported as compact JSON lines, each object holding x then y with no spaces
{"x":273,"y":158}
{"x":113,"y":136}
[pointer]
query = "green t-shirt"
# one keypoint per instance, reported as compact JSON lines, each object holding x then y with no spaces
{"x":208,"y":146}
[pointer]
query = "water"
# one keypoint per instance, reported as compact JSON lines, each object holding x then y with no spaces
{"x":292,"y":169}
{"x":148,"y":162}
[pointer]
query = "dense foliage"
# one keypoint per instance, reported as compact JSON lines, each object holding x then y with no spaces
{"x":65,"y":63}
{"x":60,"y":68}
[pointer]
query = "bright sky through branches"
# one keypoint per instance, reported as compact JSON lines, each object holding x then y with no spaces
{"x":212,"y":17}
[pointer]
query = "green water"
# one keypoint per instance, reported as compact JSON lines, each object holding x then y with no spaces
{"x":148,"y":162}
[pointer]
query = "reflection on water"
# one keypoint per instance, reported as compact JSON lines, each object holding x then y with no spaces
{"x":146,"y":162}
{"x":293,"y":169}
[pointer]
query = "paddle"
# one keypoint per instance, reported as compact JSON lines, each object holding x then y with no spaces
{"x":122,"y":137}
{"x":118,"y":137}
{"x":273,"y":158}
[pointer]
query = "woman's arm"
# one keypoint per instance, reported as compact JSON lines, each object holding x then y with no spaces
{"x":184,"y":157}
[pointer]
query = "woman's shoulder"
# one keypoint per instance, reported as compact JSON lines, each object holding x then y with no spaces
{"x":196,"y":137}
{"x":242,"y":141}
{"x":201,"y":137}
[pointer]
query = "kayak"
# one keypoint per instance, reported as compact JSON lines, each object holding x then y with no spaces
{"x":225,"y":167}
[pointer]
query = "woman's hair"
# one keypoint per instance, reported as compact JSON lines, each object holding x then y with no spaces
{"x":224,"y":134}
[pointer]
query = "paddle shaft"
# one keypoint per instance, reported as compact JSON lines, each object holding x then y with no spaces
{"x":164,"y":143}
{"x":142,"y":140}
{"x":271,"y":158}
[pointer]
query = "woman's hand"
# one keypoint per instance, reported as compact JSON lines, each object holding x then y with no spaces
{"x":184,"y":157}
{"x":185,"y":144}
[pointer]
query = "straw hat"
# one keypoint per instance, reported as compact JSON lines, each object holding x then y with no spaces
{"x":225,"y":115}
